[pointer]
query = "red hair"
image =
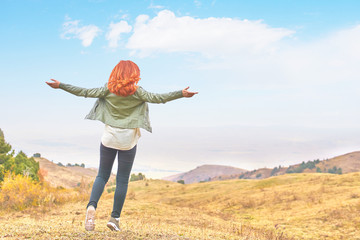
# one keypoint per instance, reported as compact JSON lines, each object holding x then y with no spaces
{"x":124,"y":78}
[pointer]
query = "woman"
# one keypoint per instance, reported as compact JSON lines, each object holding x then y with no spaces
{"x":122,"y":106}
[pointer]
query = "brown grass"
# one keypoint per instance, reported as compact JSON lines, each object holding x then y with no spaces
{"x":20,"y":192}
{"x":296,"y":206}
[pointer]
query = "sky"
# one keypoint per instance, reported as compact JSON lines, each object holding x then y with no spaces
{"x":278,"y":80}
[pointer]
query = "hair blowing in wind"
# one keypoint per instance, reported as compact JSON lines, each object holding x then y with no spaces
{"x":124,"y":78}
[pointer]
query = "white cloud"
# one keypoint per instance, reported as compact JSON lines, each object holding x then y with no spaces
{"x":155,"y":6}
{"x":114,"y":34}
{"x":332,"y":58}
{"x":125,"y":16}
{"x":73,"y":29}
{"x":197,"y":3}
{"x":307,"y":66}
{"x":209,"y":36}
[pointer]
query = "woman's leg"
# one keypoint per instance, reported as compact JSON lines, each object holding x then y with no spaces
{"x":107,"y":157}
{"x":125,"y":162}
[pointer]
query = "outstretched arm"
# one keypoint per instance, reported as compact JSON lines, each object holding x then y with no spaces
{"x":78,"y":91}
{"x":162,"y":97}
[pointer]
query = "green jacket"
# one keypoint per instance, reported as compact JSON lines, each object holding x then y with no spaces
{"x":117,"y":111}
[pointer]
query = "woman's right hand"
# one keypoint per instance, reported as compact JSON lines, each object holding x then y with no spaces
{"x":54,"y":84}
{"x":187,"y":93}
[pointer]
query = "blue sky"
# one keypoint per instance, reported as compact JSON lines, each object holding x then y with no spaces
{"x":278,"y":80}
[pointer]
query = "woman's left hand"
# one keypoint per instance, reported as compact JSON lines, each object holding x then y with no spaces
{"x":54,"y":84}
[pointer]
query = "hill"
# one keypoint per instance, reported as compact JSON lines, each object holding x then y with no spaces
{"x":67,"y":177}
{"x":346,"y":163}
{"x":291,"y":206}
{"x":204,"y":173}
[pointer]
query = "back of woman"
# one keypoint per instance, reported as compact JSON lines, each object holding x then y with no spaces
{"x":122,"y":106}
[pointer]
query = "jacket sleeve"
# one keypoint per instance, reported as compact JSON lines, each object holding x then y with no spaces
{"x":85,"y":92}
{"x":156,"y":97}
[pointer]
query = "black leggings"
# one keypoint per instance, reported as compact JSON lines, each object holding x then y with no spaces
{"x":125,"y":162}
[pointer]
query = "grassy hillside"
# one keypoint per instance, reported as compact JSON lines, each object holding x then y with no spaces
{"x":346,"y":163}
{"x":309,"y":206}
{"x":204,"y":173}
{"x":292,"y":206}
{"x":67,"y":177}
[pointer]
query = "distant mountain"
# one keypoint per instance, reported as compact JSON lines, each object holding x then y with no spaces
{"x":67,"y":177}
{"x":349,"y":162}
{"x":204,"y":173}
{"x":346,"y":163}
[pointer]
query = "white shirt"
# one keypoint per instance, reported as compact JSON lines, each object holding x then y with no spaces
{"x":120,"y":138}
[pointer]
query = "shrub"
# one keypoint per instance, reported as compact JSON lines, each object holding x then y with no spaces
{"x":72,"y":165}
{"x":19,"y":192}
{"x":275,"y":170}
{"x":137,"y":177}
{"x":242,"y":176}
{"x":335,"y":170}
{"x":181,"y":181}
{"x":60,"y":164}
{"x":111,"y":189}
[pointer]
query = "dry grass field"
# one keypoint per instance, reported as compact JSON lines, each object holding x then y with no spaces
{"x":292,"y":206}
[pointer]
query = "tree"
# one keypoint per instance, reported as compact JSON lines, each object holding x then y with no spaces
{"x":275,"y":170}
{"x":332,"y":170}
{"x":181,"y":181}
{"x":26,"y":166}
{"x":5,"y":148}
{"x":335,"y":170}
{"x":300,"y":168}
{"x":5,"y":156}
{"x":21,"y":164}
{"x":137,"y":177}
{"x":60,"y":164}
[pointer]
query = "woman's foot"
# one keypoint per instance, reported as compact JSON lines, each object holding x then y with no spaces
{"x":113,"y":224}
{"x":90,"y":218}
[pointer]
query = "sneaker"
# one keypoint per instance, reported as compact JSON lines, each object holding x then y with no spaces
{"x":113,"y":224}
{"x":90,"y":218}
